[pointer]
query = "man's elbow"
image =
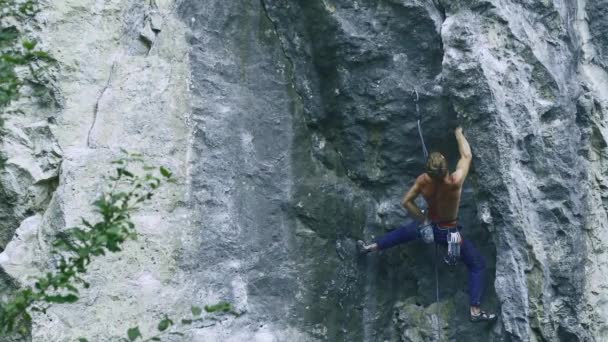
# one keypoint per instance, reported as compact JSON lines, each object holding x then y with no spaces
{"x":466,"y":155}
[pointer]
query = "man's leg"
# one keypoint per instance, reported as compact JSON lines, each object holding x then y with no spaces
{"x":403,"y":234}
{"x":476,"y":267}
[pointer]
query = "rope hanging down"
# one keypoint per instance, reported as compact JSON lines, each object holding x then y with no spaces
{"x":425,"y":152}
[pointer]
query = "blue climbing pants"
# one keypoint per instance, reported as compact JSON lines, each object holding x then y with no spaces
{"x":468,"y":253}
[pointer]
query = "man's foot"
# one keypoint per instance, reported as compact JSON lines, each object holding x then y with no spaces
{"x":361,"y":248}
{"x":483,"y":316}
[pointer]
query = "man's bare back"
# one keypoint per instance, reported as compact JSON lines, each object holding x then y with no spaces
{"x":443,"y":198}
{"x":442,"y":190}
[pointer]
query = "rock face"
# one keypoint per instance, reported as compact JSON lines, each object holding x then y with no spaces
{"x":292,"y":128}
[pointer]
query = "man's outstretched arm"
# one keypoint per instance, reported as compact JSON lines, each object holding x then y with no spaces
{"x":409,"y":204}
{"x":462,"y":168}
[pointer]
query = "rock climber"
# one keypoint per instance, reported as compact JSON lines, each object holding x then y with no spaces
{"x":441,"y":191}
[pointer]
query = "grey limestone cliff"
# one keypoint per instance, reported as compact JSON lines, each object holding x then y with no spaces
{"x":291,"y":126}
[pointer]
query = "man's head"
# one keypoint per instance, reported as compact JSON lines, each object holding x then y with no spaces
{"x":436,"y":166}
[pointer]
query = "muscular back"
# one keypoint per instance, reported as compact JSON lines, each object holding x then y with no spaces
{"x":441,"y":194}
{"x":442,"y":197}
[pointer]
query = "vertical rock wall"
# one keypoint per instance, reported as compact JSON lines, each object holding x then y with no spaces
{"x":242,"y":105}
{"x":358,"y":66}
{"x":517,"y":73}
{"x":292,"y":128}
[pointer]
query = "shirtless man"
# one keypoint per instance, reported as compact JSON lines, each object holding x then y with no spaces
{"x":441,"y":191}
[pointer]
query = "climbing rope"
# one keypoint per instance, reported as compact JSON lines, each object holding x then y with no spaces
{"x":437,"y":295}
{"x":425,"y":152}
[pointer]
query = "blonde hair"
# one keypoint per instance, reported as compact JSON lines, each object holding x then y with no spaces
{"x":436,"y":166}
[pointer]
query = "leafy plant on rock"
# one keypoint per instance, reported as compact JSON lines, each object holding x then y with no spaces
{"x":21,"y":61}
{"x":168,"y":327}
{"x":75,"y":247}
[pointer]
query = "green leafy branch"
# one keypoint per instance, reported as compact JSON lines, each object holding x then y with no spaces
{"x":16,"y":8}
{"x":75,"y":247}
{"x":20,"y":60}
{"x":168,"y":327}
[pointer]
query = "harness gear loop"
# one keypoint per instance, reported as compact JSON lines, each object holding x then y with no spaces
{"x":454,"y":241}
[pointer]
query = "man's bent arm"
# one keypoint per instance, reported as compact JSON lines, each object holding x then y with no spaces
{"x":462,"y":168}
{"x":409,"y":204}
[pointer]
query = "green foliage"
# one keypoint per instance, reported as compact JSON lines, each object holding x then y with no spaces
{"x":164,"y":324}
{"x":196,"y":311}
{"x":133,"y":334}
{"x":167,"y":327}
{"x":75,"y":247}
{"x":20,"y":62}
{"x":220,"y":307}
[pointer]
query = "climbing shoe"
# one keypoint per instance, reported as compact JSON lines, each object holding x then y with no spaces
{"x":483,"y":317}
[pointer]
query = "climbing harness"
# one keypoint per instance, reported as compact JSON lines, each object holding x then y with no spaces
{"x":425,"y":152}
